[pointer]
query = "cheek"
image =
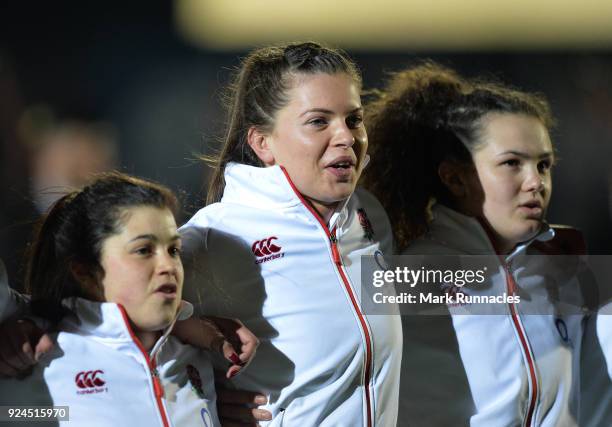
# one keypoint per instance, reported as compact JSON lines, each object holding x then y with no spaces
{"x":122,"y":281}
{"x":500,"y":190}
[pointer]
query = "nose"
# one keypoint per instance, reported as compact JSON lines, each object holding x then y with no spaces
{"x":343,"y":135}
{"x":534,"y":182}
{"x":167,"y":264}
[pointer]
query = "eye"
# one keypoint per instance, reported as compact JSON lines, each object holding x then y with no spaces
{"x":317,"y":121}
{"x":512,"y":163}
{"x":144,"y":250}
{"x":544,"y":166}
{"x":174,"y":251}
{"x":354,"y":121}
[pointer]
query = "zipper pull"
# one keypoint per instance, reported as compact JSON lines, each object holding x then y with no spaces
{"x":157,"y":385}
{"x":334,"y":247}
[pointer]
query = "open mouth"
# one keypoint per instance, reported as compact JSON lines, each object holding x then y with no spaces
{"x":535,"y":204}
{"x":167,"y":289}
{"x":342,"y":162}
{"x":342,"y":167}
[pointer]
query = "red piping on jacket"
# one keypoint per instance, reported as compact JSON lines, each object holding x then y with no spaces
{"x":338,"y":263}
{"x":512,"y":287}
{"x":157,"y":387}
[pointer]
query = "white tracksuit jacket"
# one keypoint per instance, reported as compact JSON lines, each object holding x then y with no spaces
{"x":262,"y":255}
{"x":508,"y":369}
{"x":106,"y":378}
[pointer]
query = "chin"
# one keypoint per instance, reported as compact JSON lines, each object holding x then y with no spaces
{"x":530,"y":231}
{"x":343,"y":191}
{"x":162,"y":321}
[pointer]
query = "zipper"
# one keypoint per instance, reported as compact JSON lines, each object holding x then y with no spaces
{"x":337,"y":259}
{"x":512,"y":287}
{"x":158,"y":389}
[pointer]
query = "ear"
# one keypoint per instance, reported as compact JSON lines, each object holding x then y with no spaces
{"x":88,"y":280}
{"x":452,"y":175}
{"x":260,"y":144}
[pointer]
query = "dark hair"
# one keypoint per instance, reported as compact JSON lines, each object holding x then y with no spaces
{"x":259,"y":90}
{"x":425,"y":115}
{"x":74,"y":230}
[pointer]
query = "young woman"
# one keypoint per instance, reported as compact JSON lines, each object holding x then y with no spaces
{"x":463,"y":167}
{"x":279,"y":244}
{"x":105,"y":269}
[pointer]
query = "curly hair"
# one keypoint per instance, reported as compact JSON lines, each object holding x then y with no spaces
{"x":425,"y":115}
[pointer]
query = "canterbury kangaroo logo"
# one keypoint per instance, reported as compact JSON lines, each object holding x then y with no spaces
{"x":265,"y":247}
{"x":89,"y":379}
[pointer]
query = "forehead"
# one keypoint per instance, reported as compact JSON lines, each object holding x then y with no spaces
{"x":514,"y":132}
{"x":323,"y":90}
{"x":138,"y":220}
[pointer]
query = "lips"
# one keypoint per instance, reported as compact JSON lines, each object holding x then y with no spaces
{"x":167,"y":289}
{"x":342,"y":162}
{"x":532,"y":209}
{"x":532,"y":204}
{"x":342,"y":167}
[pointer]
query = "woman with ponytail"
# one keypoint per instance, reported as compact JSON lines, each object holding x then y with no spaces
{"x":463,"y":167}
{"x":105,"y":273}
{"x":280,"y":243}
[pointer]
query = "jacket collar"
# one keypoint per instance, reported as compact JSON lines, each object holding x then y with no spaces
{"x":465,"y":233}
{"x":105,"y":320}
{"x":266,"y":188}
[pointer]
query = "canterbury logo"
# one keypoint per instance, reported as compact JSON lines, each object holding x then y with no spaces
{"x":266,"y":250}
{"x":265,"y":247}
{"x":89,"y":379}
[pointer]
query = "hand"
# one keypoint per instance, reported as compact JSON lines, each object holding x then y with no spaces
{"x":239,"y":408}
{"x":227,"y":336}
{"x":238,"y":344}
{"x":23,"y":345}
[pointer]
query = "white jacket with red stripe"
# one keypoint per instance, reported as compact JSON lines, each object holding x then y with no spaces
{"x":262,"y":255}
{"x":101,"y":372}
{"x":518,"y":367}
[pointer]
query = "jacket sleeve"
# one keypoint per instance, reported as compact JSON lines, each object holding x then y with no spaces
{"x":11,"y":301}
{"x":194,"y":254}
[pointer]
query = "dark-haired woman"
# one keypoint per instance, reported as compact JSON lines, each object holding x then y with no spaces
{"x":463,"y":167}
{"x":279,"y":245}
{"x":105,"y":270}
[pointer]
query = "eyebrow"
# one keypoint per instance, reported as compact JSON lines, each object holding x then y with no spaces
{"x":326,"y":111}
{"x":153,"y":237}
{"x":524,"y":155}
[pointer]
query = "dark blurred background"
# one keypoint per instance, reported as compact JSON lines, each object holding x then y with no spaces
{"x":87,"y":86}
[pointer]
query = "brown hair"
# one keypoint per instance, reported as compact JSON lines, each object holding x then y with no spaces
{"x":427,"y":114}
{"x":259,"y":90}
{"x":74,"y":230}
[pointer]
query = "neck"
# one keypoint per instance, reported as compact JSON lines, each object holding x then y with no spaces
{"x":501,"y":246}
{"x":325,"y":210}
{"x":147,"y":339}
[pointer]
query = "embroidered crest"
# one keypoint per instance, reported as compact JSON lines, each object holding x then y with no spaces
{"x":366,"y":225}
{"x":195,"y":380}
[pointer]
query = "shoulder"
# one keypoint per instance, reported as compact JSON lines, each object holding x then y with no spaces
{"x":428,"y":246}
{"x":567,"y":241}
{"x":10,"y":300}
{"x":194,"y":233}
{"x":371,"y":212}
{"x":204,"y":218}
